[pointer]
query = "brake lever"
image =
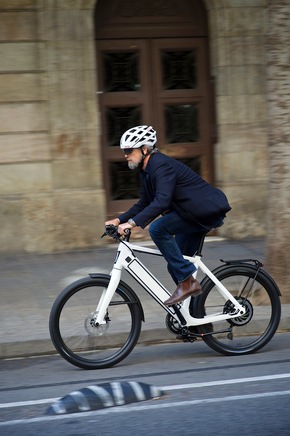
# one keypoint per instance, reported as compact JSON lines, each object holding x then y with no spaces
{"x":112,"y":231}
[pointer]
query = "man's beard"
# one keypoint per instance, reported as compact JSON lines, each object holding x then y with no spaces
{"x":134,"y":165}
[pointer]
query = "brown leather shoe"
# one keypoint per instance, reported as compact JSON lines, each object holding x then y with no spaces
{"x":190,"y":287}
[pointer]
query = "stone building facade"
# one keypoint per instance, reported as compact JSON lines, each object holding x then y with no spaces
{"x":52,"y":191}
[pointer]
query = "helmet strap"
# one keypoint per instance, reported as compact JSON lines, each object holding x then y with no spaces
{"x":148,"y":152}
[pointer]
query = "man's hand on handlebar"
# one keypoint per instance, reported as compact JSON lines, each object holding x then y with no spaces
{"x":115,"y":222}
{"x":121,"y":227}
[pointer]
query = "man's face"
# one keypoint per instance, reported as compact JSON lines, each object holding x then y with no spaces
{"x":134,"y":157}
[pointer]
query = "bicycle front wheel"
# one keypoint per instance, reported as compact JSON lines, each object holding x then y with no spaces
{"x":257,"y":293}
{"x":73,"y":330}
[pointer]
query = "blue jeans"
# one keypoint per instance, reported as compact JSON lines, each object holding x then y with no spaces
{"x":175,"y":237}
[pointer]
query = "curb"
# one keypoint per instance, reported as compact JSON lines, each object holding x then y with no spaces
{"x":40,"y":347}
{"x":103,"y":396}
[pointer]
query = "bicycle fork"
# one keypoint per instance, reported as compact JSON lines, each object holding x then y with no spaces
{"x":106,"y":297}
{"x":126,"y":259}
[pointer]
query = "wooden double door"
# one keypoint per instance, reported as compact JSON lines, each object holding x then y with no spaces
{"x":163,"y":82}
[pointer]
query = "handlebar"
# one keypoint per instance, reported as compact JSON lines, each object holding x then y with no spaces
{"x":112,"y":231}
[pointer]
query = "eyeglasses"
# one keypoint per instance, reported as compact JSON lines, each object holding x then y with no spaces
{"x":128,"y":151}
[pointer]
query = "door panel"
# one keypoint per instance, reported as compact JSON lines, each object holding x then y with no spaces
{"x":183,"y":95}
{"x":124,"y":100}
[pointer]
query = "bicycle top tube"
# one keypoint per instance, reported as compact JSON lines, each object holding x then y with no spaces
{"x":112,"y":231}
{"x":141,"y":249}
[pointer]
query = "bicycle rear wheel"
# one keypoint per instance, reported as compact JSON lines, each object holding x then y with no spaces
{"x":74,"y":333}
{"x":257,"y":293}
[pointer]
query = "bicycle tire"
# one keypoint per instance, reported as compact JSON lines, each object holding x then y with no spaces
{"x":255,"y":329}
{"x":77,"y":339}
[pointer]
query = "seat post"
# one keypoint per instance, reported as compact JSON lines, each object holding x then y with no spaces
{"x":200,"y":244}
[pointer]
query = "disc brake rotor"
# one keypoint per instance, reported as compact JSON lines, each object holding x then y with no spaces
{"x":92,"y":329}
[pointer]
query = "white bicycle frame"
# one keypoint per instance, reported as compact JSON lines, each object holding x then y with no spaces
{"x":126,"y":259}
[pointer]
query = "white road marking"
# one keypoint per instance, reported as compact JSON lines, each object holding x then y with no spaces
{"x":103,"y":394}
{"x":126,"y":409}
{"x":81,"y":400}
{"x":118,"y":393}
{"x":28,"y":403}
{"x":227,"y":382}
{"x":137,"y":390}
{"x":163,"y":388}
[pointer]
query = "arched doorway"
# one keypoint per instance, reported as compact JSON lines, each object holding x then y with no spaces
{"x":153,"y":68}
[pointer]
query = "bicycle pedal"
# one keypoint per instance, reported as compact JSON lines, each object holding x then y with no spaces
{"x":187,"y":336}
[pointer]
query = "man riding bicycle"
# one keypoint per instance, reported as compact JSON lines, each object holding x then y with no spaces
{"x":188,"y":205}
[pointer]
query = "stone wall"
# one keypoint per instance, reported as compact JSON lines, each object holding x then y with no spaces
{"x":238,"y":59}
{"x":51,"y":190}
{"x":51,"y":193}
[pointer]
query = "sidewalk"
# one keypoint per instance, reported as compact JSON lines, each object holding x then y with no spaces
{"x":29,"y":285}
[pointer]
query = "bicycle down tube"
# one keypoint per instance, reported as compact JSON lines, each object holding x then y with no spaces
{"x":127,"y":259}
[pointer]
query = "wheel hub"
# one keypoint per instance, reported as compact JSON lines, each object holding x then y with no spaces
{"x":241,"y":319}
{"x":95,"y":330}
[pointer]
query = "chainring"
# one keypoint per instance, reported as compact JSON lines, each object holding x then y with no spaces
{"x":173,"y":325}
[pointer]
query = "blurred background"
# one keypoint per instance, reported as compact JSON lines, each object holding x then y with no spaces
{"x":75,"y":74}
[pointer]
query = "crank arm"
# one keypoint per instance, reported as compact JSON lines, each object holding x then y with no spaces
{"x":192,"y":335}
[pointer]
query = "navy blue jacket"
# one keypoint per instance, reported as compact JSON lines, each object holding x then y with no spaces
{"x":166,"y":185}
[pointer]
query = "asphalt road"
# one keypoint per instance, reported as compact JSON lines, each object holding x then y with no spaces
{"x":205,"y":393}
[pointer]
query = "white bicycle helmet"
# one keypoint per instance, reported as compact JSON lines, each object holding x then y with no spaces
{"x":138,"y":136}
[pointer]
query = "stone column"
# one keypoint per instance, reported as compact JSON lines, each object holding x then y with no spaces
{"x":238,"y":60}
{"x":278,"y":79}
{"x":78,"y":195}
